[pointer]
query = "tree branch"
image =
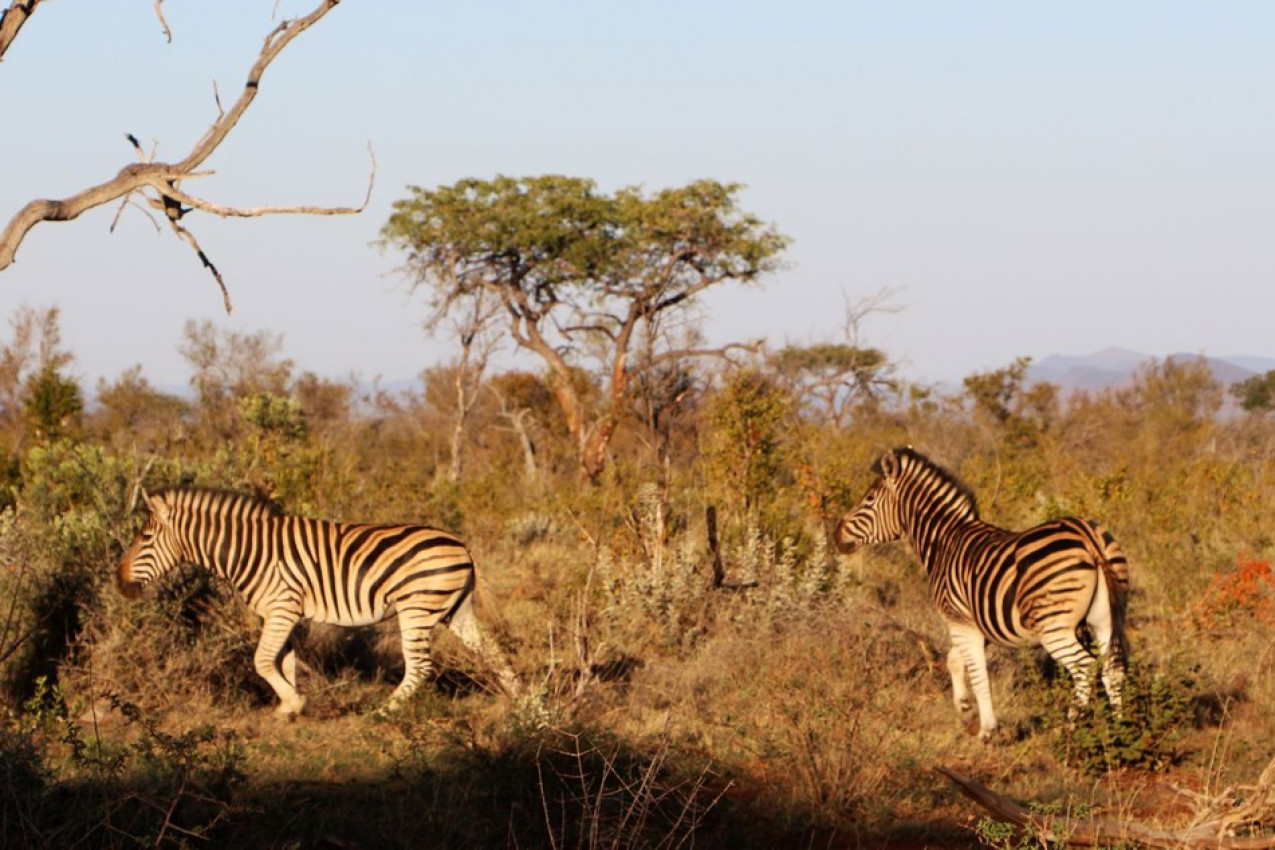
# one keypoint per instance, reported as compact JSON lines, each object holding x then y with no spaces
{"x":685,"y":353}
{"x":275,"y":42}
{"x":159,"y":13}
{"x":165,"y":177}
{"x":168,"y":190}
{"x":11,"y":21}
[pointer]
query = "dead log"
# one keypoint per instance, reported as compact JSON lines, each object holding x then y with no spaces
{"x":1215,"y":832}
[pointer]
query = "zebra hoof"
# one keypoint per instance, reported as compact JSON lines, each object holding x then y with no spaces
{"x":291,"y":711}
{"x":388,"y":710}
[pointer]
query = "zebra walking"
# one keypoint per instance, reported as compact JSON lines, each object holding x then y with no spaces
{"x":1038,"y":585}
{"x":287,"y":568}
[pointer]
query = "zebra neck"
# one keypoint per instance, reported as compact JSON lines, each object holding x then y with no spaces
{"x":234,"y":552}
{"x":933,"y":538}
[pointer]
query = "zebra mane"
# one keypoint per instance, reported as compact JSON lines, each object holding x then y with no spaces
{"x":216,"y":500}
{"x":918,"y":465}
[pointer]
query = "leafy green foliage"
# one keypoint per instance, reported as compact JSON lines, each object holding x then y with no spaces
{"x":1022,"y":414}
{"x":1147,"y":732}
{"x":1256,"y":394}
{"x":747,"y":449}
{"x":53,"y":404}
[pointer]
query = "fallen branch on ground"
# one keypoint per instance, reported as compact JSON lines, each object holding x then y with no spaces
{"x":1216,"y":830}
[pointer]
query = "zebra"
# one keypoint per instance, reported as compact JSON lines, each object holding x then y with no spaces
{"x":287,"y":568}
{"x":988,"y":583}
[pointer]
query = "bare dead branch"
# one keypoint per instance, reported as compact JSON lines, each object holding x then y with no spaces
{"x":1089,"y":832}
{"x":166,"y":189}
{"x":164,"y":177}
{"x":126,"y":202}
{"x":189,"y":238}
{"x":159,"y":13}
{"x":11,"y":21}
{"x":137,"y":147}
{"x":279,"y":38}
{"x":723,"y":352}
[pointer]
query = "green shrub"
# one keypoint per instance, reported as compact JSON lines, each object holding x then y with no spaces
{"x":1147,"y":732}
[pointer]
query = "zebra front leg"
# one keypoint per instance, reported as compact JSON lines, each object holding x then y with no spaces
{"x":289,"y":667}
{"x":971,"y":647}
{"x":270,"y":649}
{"x":960,"y":690}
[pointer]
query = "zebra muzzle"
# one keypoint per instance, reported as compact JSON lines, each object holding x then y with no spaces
{"x":129,"y":588}
{"x":843,"y":541}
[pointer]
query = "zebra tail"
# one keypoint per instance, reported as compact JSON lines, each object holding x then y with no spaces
{"x":1115,"y":571}
{"x":485,"y":607}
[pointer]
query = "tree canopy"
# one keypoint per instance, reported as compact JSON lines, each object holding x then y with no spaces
{"x":580,"y":272}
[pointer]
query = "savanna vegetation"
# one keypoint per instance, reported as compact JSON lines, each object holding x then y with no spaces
{"x":651,"y":518}
{"x":699,"y":667}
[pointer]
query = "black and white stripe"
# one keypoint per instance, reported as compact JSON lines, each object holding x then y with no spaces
{"x":1040,"y":585}
{"x":288,"y":567}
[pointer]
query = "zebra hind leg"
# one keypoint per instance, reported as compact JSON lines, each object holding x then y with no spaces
{"x":1065,"y":648}
{"x":416,"y":627}
{"x":1102,"y":626}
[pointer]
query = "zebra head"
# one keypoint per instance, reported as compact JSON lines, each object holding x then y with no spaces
{"x":876,"y":519}
{"x":155,"y":551}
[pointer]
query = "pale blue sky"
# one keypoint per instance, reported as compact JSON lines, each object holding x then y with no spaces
{"x":1031,"y":178}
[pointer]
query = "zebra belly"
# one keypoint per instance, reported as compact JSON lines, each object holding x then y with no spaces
{"x":320,"y":614}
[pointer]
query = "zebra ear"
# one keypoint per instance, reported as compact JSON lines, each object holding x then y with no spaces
{"x":157,"y":506}
{"x":889,"y":465}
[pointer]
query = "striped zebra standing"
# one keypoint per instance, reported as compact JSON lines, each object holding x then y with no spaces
{"x":287,"y":568}
{"x":1038,"y":585}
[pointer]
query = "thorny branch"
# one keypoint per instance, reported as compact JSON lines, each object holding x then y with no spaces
{"x":163,"y":178}
{"x":1216,"y":830}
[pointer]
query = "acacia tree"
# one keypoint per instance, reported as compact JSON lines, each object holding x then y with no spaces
{"x":834,"y":377}
{"x":580,"y":273}
{"x":159,"y":184}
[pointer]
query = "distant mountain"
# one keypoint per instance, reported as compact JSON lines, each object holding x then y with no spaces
{"x":1257,"y":365}
{"x":1115,"y":367}
{"x":1109,"y":367}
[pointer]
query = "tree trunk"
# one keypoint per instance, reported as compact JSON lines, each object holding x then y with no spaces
{"x":530,"y":466}
{"x":457,"y":448}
